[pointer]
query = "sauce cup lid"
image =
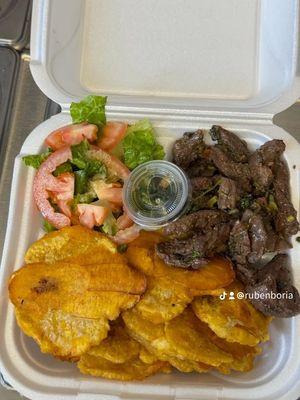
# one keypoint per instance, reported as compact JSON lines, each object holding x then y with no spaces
{"x":156,"y":193}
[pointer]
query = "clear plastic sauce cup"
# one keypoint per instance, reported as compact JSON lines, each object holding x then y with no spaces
{"x":156,"y":193}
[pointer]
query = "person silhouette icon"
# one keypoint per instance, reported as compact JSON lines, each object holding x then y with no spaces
{"x":231,"y":296}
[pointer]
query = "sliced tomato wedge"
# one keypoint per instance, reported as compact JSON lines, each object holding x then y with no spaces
{"x":112,"y":134}
{"x":124,"y":222}
{"x":113,"y":207}
{"x":91,"y":215}
{"x":71,"y":134}
{"x":127,"y":235}
{"x":63,"y":188}
{"x":63,"y":192}
{"x":111,"y":192}
{"x":112,"y":163}
{"x":45,"y":183}
{"x":65,"y":207}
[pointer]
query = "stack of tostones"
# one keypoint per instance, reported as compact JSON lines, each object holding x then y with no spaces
{"x":181,"y":318}
{"x":66,"y":295}
{"x":130,"y":316}
{"x":121,"y":357}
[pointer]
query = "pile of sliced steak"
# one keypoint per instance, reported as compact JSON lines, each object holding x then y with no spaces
{"x":240,"y":208}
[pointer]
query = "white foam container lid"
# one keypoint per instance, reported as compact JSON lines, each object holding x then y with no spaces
{"x":185,"y":64}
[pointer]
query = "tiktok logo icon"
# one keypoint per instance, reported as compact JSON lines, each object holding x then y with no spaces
{"x":223,"y":296}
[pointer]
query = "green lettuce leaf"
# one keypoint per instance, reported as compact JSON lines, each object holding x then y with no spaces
{"x":87,"y":167}
{"x":48,"y":227}
{"x":158,"y":152}
{"x":61,"y":169}
{"x":140,"y":145}
{"x":82,"y":161}
{"x":35,"y":160}
{"x":84,"y":198}
{"x":81,"y":181}
{"x":96,"y":168}
{"x":110,"y":225}
{"x":79,"y":154}
{"x":91,"y":109}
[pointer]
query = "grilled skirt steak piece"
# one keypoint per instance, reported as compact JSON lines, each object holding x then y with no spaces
{"x":231,"y":144}
{"x":199,"y":221}
{"x":262,"y":162}
{"x":201,"y":167}
{"x":230,"y":168}
{"x":228,"y":194}
{"x":275,"y":277}
{"x":257,"y":234}
{"x":202,"y":183}
{"x":187,"y":149}
{"x":286,"y":218}
{"x":193,"y":252}
{"x":239,"y":243}
{"x":270,"y":152}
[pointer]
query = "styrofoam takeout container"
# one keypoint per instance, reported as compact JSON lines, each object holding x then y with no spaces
{"x":185,"y":65}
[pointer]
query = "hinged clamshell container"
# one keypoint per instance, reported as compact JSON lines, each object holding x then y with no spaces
{"x":185,"y":65}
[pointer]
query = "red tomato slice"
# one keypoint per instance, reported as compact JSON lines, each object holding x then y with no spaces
{"x":63,"y":193}
{"x":91,"y":215}
{"x":124,"y":222}
{"x":65,"y":207}
{"x":71,"y":134}
{"x":111,"y":192}
{"x":63,"y":188}
{"x":113,"y":164}
{"x":115,"y":208}
{"x":44,"y":182}
{"x":127,"y":235}
{"x":112,"y":134}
